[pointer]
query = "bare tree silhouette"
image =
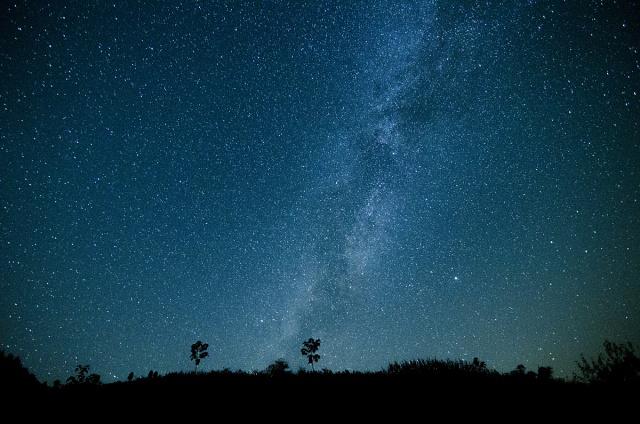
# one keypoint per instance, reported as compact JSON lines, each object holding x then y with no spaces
{"x":309,"y":349}
{"x":199,"y":352}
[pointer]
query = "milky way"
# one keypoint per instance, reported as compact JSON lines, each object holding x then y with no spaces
{"x":399,"y":180}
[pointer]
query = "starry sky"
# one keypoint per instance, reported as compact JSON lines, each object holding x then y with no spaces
{"x":399,"y":179}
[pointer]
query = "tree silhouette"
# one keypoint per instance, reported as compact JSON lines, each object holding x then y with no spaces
{"x":278,"y":368}
{"x":478,"y":366}
{"x":309,"y":349}
{"x":199,"y":352}
{"x":83,"y":377}
{"x":519,"y":372}
{"x":13,"y":374}
{"x":545,"y":373}
{"x":93,"y":378}
{"x":620,"y":365}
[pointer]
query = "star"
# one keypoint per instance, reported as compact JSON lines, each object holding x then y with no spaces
{"x":256,"y":176}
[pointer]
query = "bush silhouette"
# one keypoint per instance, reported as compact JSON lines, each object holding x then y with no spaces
{"x":199,"y":352}
{"x":478,"y":364}
{"x":545,"y":373}
{"x":441,"y":369}
{"x":519,"y":371}
{"x":83,"y":377}
{"x":309,"y":349}
{"x":618,"y":365}
{"x":278,"y":368}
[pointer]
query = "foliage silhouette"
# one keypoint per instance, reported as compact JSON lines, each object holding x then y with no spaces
{"x":309,"y":349}
{"x":520,"y":371}
{"x":83,"y":377}
{"x":435,"y":369}
{"x":618,"y":365}
{"x":13,"y":374}
{"x":545,"y":373}
{"x":199,"y":352}
{"x":478,"y":365}
{"x":403,"y":380}
{"x":278,"y":368}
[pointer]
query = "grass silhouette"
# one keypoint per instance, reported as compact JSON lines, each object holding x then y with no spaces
{"x":415,"y":381}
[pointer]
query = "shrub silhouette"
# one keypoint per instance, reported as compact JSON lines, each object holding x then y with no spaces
{"x":520,"y":371}
{"x":309,"y":349}
{"x":278,"y":368}
{"x":83,"y":377}
{"x":130,"y":376}
{"x":421,"y":377}
{"x":199,"y":352}
{"x":441,"y":369}
{"x":618,"y":365}
{"x":545,"y":373}
{"x":478,"y":366}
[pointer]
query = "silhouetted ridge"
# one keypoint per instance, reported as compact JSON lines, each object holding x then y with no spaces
{"x":14,"y":375}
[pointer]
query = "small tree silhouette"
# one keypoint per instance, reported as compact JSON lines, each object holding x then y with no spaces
{"x":278,"y":368}
{"x":309,"y":349}
{"x":81,"y":376}
{"x":545,"y":373}
{"x":93,"y":378}
{"x":199,"y":352}
{"x":520,"y":371}
{"x":478,"y":366}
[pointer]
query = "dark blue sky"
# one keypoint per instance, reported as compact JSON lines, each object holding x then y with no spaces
{"x":449,"y":179}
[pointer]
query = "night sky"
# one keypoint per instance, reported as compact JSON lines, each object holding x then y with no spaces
{"x":401,"y":180}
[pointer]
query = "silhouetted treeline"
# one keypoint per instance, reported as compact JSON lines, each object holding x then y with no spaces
{"x":14,"y":376}
{"x":618,"y":367}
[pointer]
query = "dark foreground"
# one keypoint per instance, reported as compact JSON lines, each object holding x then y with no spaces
{"x":370,"y":394}
{"x":608,"y":388}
